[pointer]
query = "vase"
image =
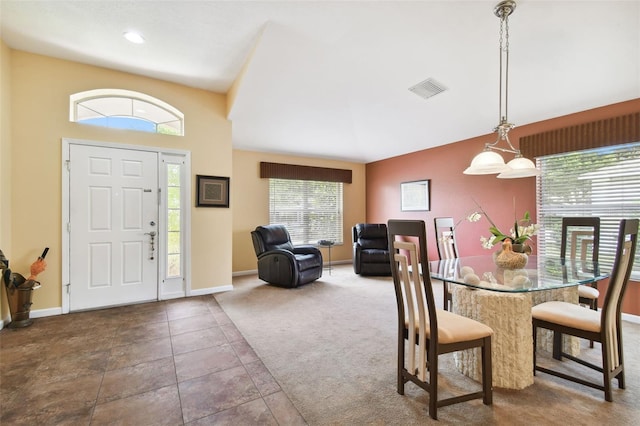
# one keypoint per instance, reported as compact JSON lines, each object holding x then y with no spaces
{"x":522,"y":248}
{"x":508,"y":258}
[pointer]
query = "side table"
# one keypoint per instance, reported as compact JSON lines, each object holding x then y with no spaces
{"x":327,"y":244}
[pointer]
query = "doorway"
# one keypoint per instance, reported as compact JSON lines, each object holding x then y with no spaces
{"x":114,"y":230}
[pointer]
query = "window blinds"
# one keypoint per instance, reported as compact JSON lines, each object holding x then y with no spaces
{"x":603,"y":182}
{"x":311,"y":210}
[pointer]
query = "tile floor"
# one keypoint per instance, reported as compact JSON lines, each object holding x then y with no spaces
{"x":164,"y":363}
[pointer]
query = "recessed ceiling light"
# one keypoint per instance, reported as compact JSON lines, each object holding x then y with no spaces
{"x":133,"y":37}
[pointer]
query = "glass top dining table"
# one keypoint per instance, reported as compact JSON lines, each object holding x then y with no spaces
{"x":540,"y":273}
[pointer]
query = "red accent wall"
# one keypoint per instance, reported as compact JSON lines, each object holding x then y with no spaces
{"x":453,"y":193}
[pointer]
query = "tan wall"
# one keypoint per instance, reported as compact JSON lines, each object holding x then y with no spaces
{"x":40,"y":119}
{"x":5,"y":164}
{"x":250,"y":202}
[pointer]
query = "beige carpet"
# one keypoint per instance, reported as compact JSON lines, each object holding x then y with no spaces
{"x":331,"y":345}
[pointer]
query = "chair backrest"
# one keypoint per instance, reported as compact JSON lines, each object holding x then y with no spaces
{"x":446,"y":238}
{"x":581,"y":234}
{"x":622,"y":267}
{"x":271,"y":237}
{"x":371,"y":235}
{"x":414,"y":294}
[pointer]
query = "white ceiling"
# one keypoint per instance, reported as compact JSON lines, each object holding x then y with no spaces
{"x":331,"y":79}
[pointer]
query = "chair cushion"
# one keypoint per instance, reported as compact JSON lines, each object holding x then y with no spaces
{"x":374,"y":256}
{"x":588,"y":292}
{"x":454,"y":328}
{"x":275,"y":237}
{"x":308,"y":261}
{"x":368,"y":243}
{"x":372,"y":235}
{"x":567,"y":314}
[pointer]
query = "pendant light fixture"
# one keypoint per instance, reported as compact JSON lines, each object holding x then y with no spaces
{"x":489,"y":161}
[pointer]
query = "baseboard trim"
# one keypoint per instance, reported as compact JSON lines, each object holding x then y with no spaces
{"x":211,"y":290}
{"x":243,"y":273}
{"x":5,"y":321}
{"x":631,"y":318}
{"x":40,"y":313}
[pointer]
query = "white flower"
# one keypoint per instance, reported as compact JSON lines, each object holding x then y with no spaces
{"x":474,"y":217}
{"x":488,"y":243}
{"x":521,"y":231}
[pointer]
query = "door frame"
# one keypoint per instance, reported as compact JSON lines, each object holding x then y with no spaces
{"x":66,"y":246}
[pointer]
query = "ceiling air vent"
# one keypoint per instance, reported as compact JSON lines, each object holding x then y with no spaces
{"x":428,"y":88}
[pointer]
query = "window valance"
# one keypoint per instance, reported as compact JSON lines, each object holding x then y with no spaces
{"x":611,"y":131}
{"x":293,"y":171}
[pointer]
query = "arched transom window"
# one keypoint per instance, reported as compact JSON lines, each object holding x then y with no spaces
{"x":125,"y":109}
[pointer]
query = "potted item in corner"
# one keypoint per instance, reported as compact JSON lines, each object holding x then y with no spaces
{"x":19,"y":289}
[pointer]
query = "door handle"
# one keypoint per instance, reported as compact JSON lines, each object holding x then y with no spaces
{"x":152,"y":234}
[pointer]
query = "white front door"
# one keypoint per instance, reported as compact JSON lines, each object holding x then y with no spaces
{"x":113,"y":210}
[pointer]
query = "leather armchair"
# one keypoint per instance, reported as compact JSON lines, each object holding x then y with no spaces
{"x":280,"y":262}
{"x":371,"y":249}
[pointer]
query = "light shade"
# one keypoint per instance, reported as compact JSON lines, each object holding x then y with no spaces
{"x":519,"y":167}
{"x":489,"y":162}
{"x":486,"y":163}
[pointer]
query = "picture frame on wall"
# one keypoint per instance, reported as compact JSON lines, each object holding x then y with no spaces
{"x":212,"y":191}
{"x":415,"y":195}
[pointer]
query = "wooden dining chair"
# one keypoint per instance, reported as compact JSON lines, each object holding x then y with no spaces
{"x":601,"y":326}
{"x":430,"y":332}
{"x":582,"y":234}
{"x":447,"y":249}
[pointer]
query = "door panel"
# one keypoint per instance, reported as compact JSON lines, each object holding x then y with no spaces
{"x":113,"y":201}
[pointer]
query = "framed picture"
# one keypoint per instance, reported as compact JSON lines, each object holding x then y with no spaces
{"x":415,"y":195}
{"x":212,"y":191}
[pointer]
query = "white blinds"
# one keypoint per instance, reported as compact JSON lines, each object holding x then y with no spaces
{"x":311,"y":210}
{"x":603,"y":182}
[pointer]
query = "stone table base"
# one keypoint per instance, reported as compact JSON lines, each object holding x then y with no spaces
{"x":509,"y":315}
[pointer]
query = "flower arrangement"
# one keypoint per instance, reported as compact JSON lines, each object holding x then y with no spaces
{"x":521,"y":232}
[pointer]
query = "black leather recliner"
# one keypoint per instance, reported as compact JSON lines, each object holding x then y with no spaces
{"x":280,"y":262}
{"x":370,"y":249}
